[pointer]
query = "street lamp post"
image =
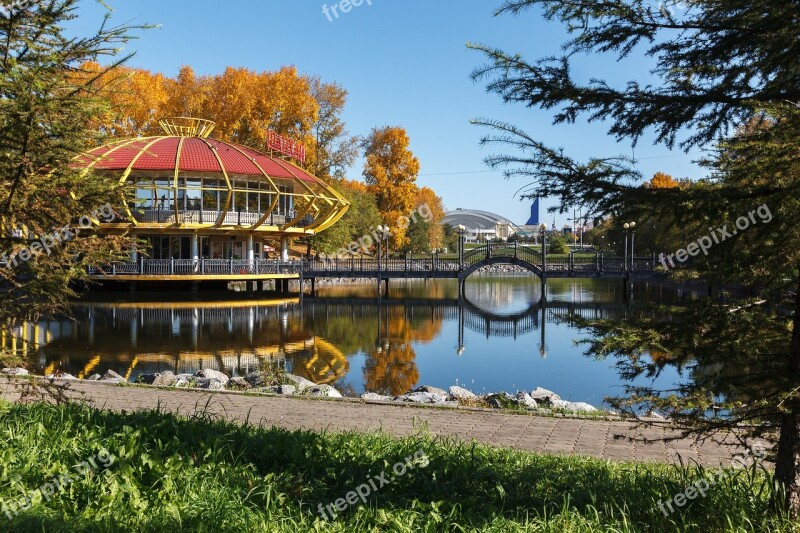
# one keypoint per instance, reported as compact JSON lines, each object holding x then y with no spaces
{"x":384,"y":236}
{"x":461,"y":230}
{"x":543,"y":235}
{"x":628,"y":229}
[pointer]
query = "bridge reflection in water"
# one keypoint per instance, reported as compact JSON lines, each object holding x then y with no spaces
{"x":313,"y":337}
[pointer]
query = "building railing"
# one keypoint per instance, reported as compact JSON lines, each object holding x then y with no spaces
{"x":197,"y":267}
{"x":232,"y":218}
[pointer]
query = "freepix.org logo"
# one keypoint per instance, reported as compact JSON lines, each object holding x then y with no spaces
{"x":9,"y":7}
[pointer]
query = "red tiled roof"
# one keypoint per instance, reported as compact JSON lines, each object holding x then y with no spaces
{"x":197,"y":155}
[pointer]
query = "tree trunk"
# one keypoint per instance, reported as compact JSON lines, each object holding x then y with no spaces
{"x":787,"y":462}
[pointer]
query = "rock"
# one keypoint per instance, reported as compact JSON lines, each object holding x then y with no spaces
{"x":14,"y":371}
{"x":181,"y":383}
{"x":212,"y":374}
{"x":422,"y":397}
{"x":460,"y":393}
{"x":285,"y":390}
{"x":255,"y":379}
{"x":159,"y":379}
{"x":211,"y":384}
{"x":165,"y":379}
{"x":373,"y":397}
{"x":237,"y":383}
{"x":583,"y":407}
{"x":61,"y":376}
{"x":577,"y":407}
{"x":301,"y":383}
{"x":544,"y":396}
{"x":503,"y":400}
{"x":524,"y":399}
{"x":432,"y":390}
{"x":500,"y":400}
{"x":112,"y":377}
{"x":323,"y":390}
{"x":94,"y":377}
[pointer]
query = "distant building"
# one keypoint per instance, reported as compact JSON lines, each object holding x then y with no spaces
{"x":531,"y":227}
{"x":534,"y":219}
{"x":481,"y":225}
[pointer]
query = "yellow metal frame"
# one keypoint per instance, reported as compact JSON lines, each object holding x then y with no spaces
{"x":328,"y":205}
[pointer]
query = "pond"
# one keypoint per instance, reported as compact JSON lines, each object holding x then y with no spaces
{"x":502,"y":335}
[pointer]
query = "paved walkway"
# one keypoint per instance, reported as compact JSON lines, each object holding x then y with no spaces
{"x":598,"y":438}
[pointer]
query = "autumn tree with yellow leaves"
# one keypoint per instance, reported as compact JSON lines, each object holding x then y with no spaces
{"x":427,"y":197}
{"x":244,"y":104}
{"x":390,"y":171}
{"x":662,"y":180}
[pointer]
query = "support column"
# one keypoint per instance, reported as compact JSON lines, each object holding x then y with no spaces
{"x":251,"y":252}
{"x":195,"y":244}
{"x":284,"y":248}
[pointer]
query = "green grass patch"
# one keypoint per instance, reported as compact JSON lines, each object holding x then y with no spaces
{"x":11,"y":360}
{"x":202,"y":474}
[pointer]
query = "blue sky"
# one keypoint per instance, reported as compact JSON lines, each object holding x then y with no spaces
{"x":405,"y":63}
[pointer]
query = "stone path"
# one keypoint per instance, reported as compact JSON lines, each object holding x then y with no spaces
{"x":597,"y":438}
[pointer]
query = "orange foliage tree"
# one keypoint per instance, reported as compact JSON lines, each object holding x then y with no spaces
{"x":136,"y":98}
{"x":427,"y":197}
{"x":662,"y":180}
{"x":391,"y":171}
{"x":244,"y":104}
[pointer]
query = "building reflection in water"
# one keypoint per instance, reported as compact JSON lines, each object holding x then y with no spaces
{"x":316,"y":338}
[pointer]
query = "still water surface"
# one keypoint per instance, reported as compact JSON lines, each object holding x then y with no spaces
{"x":500,"y":337}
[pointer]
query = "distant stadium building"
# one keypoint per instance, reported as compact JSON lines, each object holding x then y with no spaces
{"x":481,"y":225}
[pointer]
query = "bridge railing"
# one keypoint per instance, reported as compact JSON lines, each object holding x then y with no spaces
{"x":369,"y":266}
{"x":360,"y":264}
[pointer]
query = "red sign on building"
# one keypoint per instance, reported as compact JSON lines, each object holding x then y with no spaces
{"x":286,"y":146}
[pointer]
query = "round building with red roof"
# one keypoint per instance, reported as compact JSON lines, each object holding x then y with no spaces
{"x":195,"y":198}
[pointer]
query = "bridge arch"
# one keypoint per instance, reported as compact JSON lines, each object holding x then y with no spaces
{"x":490,"y":254}
{"x":501,"y":260}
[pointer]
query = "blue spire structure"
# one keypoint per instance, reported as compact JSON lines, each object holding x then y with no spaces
{"x":534,"y":220}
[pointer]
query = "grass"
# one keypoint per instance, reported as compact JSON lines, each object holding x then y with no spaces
{"x":11,"y":360}
{"x":202,"y":474}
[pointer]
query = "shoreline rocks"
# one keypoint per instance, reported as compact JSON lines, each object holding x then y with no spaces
{"x":538,"y":399}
